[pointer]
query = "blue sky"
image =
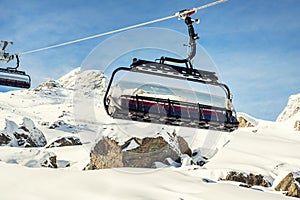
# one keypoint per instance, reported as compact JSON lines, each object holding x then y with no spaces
{"x":255,"y":44}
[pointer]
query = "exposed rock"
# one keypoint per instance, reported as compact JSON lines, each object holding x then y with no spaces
{"x":4,"y":139}
{"x":290,"y":184}
{"x":50,"y":87}
{"x":151,"y":150}
{"x":106,"y":154}
{"x":85,"y":82}
{"x":249,"y":179}
{"x":61,"y":125}
{"x":57,"y":124}
{"x":244,"y":123}
{"x":197,"y":158}
{"x":35,"y":134}
{"x":297,"y":125}
{"x":27,"y":135}
{"x":183,"y":146}
{"x":137,"y":152}
{"x":47,"y":85}
{"x":49,"y":161}
{"x":44,"y":123}
{"x":245,"y":185}
{"x":64,"y":113}
{"x":292,"y":108}
{"x":24,"y":140}
{"x":65,"y":141}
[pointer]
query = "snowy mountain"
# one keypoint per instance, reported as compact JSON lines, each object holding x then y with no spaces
{"x":291,"y":110}
{"x":48,"y":110}
{"x":66,"y":118}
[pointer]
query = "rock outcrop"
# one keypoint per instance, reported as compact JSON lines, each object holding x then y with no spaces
{"x":246,"y":120}
{"x":248,"y":179}
{"x":47,"y":85}
{"x":106,"y":154}
{"x":26,"y":135}
{"x":151,"y":150}
{"x":85,"y":82}
{"x":65,"y":141}
{"x":244,"y":123}
{"x":292,"y":109}
{"x":290,"y":184}
{"x":137,"y":152}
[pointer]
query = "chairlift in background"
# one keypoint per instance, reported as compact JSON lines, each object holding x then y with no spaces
{"x":11,"y":76}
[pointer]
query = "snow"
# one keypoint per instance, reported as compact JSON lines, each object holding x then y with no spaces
{"x":268,"y":148}
{"x":10,"y":128}
{"x":69,"y":80}
{"x":260,"y":152}
{"x":29,"y":157}
{"x":132,"y":145}
{"x":117,"y":184}
{"x":28,"y":123}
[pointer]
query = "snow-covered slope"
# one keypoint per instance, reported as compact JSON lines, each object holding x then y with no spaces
{"x":268,"y":148}
{"x":115,"y":184}
{"x":51,"y":108}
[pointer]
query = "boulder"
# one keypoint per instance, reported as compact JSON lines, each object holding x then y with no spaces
{"x":24,"y":140}
{"x":137,"y":152}
{"x":27,"y":135}
{"x":65,"y":141}
{"x":49,"y":161}
{"x":106,"y":154}
{"x":248,"y":179}
{"x":35,"y":134}
{"x":151,"y":150}
{"x":290,"y":185}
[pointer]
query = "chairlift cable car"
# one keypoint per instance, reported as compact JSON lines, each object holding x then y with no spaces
{"x":153,"y":109}
{"x":11,"y":76}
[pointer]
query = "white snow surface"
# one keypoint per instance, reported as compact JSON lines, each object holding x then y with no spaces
{"x":269,"y":148}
